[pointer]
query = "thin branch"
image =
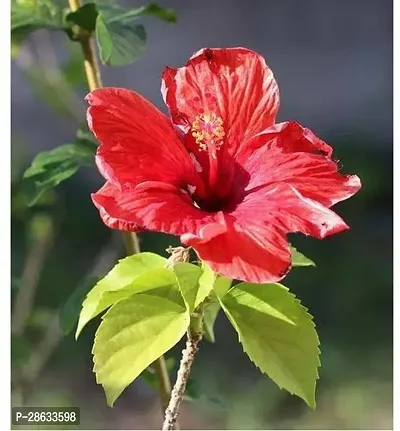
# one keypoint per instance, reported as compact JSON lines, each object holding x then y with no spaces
{"x":47,"y":59}
{"x":164,"y":383}
{"x":91,"y":64}
{"x":53,"y":334}
{"x":41,"y":244}
{"x":188,"y":355}
{"x":131,"y":242}
{"x":178,"y":254}
{"x":194,"y":336}
{"x":43,"y":352}
{"x":41,"y":66}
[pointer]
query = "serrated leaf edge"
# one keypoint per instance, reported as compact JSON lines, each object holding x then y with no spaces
{"x":308,"y":262}
{"x":111,"y":400}
{"x":80,"y":327}
{"x":311,"y":319}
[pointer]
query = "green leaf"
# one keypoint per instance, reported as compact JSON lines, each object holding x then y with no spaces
{"x":131,"y":275}
{"x":69,"y":313}
{"x":211,"y":311}
{"x":18,"y":37}
{"x":206,"y":284}
{"x":85,"y":136}
{"x":277,"y":334}
{"x":134,"y":333}
{"x":30,"y":15}
{"x":298,"y":259}
{"x":120,"y":43}
{"x":50,"y":168}
{"x":194,"y":283}
{"x":222,"y":285}
{"x":110,"y":10}
{"x":84,"y":17}
{"x":168,"y":15}
{"x":152,"y":9}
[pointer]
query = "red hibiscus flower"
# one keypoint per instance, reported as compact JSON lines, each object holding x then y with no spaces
{"x":221,"y":175}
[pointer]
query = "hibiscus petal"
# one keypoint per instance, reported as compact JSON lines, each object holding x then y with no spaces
{"x":250,"y":252}
{"x":255,"y":246}
{"x":292,"y":154}
{"x":283,"y":206}
{"x":138,"y":142}
{"x":156,"y":206}
{"x":233,"y":83}
{"x":110,"y":202}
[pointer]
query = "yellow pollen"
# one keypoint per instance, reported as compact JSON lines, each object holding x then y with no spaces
{"x":208,"y":131}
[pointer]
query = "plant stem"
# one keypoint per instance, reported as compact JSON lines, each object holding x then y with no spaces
{"x":130,"y":239}
{"x":164,"y":383}
{"x":41,"y":244}
{"x":45,"y":349}
{"x":131,"y":242}
{"x":92,"y":69}
{"x":91,"y":63}
{"x":74,"y":4}
{"x":93,"y":77}
{"x":194,"y":337}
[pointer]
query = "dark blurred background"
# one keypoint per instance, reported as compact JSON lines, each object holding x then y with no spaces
{"x":333,"y":63}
